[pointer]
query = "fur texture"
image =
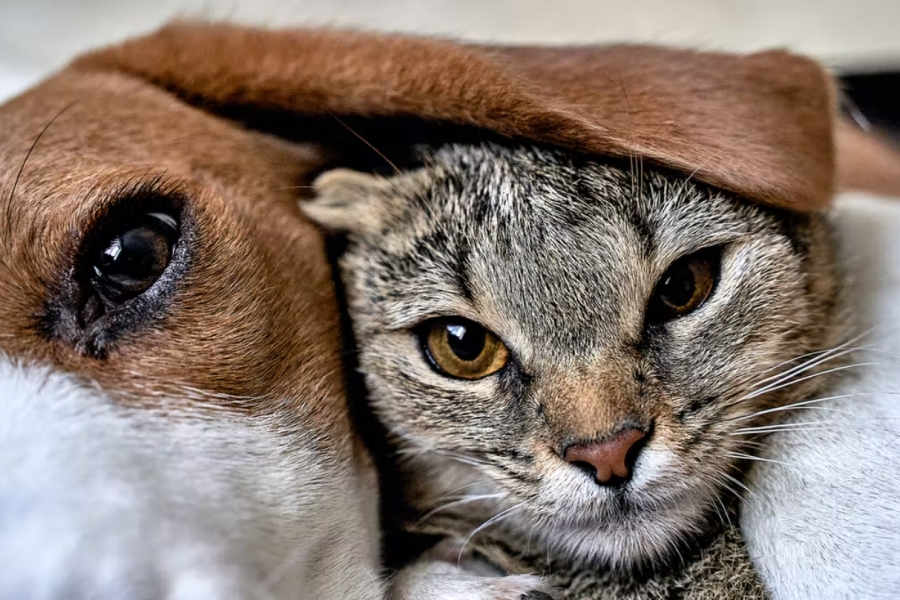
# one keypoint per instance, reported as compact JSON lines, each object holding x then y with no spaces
{"x":193,"y":441}
{"x":101,"y":501}
{"x":824,"y":518}
{"x":558,"y":256}
{"x":759,"y":125}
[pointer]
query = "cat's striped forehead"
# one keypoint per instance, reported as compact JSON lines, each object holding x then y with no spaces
{"x":544,"y":247}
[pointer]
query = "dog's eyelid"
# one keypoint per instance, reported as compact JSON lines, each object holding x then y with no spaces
{"x":147,"y":193}
{"x":99,"y":295}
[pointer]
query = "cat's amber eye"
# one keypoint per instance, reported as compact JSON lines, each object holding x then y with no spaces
{"x":684,"y":287}
{"x":463,"y":349}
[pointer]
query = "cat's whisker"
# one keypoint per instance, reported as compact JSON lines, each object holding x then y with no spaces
{"x":813,"y":357}
{"x":460,"y":502}
{"x":773,"y":387}
{"x":474,"y":484}
{"x":785,"y":378}
{"x":742,"y":456}
{"x":725,"y":512}
{"x":816,"y":353}
{"x":753,"y":494}
{"x":495,"y":519}
{"x":717,"y":504}
{"x":871,"y":424}
{"x":738,"y":483}
{"x":737,"y":494}
{"x":456,"y":456}
{"x":466,"y":460}
{"x":771,"y":382}
{"x":713,"y":156}
{"x":752,"y":443}
{"x":781,"y":427}
{"x":371,"y":146}
{"x":722,"y":516}
{"x":818,"y":408}
{"x":803,"y":405}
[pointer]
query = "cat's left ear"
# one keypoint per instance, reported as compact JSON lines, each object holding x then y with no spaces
{"x":347,"y":201}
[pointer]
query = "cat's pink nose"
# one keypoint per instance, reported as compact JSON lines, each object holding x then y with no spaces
{"x":609,"y":459}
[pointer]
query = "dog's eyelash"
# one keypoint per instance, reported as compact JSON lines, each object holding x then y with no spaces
{"x":138,"y":190}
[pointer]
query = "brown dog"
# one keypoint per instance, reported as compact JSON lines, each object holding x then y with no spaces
{"x":173,"y":421}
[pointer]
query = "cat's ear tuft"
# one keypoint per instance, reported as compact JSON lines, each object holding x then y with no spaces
{"x":347,"y":200}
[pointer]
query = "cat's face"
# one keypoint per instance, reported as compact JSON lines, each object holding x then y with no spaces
{"x":609,"y":303}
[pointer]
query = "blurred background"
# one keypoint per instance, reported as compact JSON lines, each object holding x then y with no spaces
{"x":856,"y":37}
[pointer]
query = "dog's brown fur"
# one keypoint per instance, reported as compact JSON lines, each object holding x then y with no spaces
{"x":759,"y":125}
{"x":236,"y":330}
{"x":252,"y":331}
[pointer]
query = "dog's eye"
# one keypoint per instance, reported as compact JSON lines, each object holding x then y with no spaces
{"x":684,"y":287}
{"x":464,"y":349}
{"x":130,"y":261}
{"x":133,"y":256}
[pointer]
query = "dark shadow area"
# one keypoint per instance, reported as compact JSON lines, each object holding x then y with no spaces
{"x":874,"y":98}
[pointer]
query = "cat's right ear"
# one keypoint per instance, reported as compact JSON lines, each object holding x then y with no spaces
{"x":347,"y":201}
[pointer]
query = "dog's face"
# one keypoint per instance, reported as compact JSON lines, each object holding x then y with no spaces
{"x":146,"y":242}
{"x":168,"y":332}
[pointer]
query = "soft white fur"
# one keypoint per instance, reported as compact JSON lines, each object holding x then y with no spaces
{"x":824,"y":522}
{"x":97,"y":501}
{"x":443,"y":580}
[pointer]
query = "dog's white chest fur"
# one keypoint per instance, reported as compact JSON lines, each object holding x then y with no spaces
{"x":824,"y":522}
{"x":97,"y":501}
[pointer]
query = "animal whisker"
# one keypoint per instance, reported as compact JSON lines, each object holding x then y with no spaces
{"x":785,"y":384}
{"x":811,"y":363}
{"x":813,"y":358}
{"x":742,"y":456}
{"x":742,"y":486}
{"x":809,"y":426}
{"x":784,"y":378}
{"x":463,"y":458}
{"x":802,"y":405}
{"x":737,"y":494}
{"x":702,"y":165}
{"x":366,"y":142}
{"x":493,"y":520}
{"x":812,"y":355}
{"x":34,"y":144}
{"x":462,"y":501}
{"x":473,"y":484}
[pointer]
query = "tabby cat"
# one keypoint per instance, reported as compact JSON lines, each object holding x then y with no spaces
{"x":571,"y":358}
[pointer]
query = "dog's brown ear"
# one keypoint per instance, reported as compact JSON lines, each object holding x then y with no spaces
{"x":759,"y":125}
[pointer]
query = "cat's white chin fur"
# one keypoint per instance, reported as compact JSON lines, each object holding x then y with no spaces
{"x":824,"y":521}
{"x":103,"y":502}
{"x":661,"y":514}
